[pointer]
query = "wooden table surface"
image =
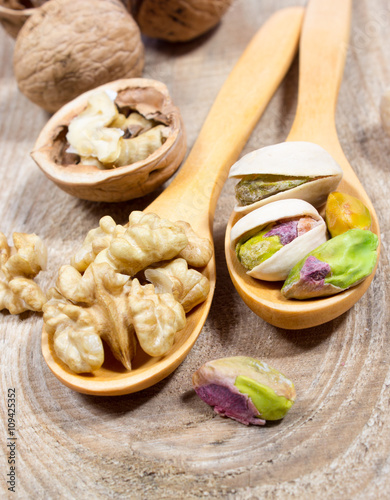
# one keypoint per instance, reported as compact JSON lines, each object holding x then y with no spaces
{"x":164,"y":442}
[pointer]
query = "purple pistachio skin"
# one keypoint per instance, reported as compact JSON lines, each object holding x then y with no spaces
{"x":230,"y":404}
{"x":287,"y":232}
{"x":313,"y":273}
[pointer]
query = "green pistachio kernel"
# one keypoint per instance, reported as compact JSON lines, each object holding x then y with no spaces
{"x":338,"y":264}
{"x":256,"y":249}
{"x":344,"y":212}
{"x":252,"y":188}
{"x":269,"y":405}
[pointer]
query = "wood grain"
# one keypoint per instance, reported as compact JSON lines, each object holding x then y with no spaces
{"x":164,"y":442}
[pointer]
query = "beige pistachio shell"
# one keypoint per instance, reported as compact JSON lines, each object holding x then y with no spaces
{"x":295,"y":158}
{"x":278,"y":266}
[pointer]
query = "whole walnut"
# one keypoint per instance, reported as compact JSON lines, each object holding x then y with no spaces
{"x":66,"y":48}
{"x":178,"y":20}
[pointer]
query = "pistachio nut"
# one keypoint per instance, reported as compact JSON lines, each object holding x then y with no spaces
{"x":287,"y":170}
{"x":340,"y":263}
{"x":270,"y":240}
{"x":344,"y":212}
{"x":244,"y":389}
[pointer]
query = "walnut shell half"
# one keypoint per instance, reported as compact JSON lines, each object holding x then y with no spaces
{"x":148,"y":97}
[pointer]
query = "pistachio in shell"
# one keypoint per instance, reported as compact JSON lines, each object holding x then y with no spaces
{"x":340,"y":263}
{"x":344,"y":212}
{"x":244,"y":389}
{"x":295,"y":169}
{"x":270,"y":240}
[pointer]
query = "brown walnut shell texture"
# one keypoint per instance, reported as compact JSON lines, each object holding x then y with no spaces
{"x":178,"y":20}
{"x":151,"y":99}
{"x":66,"y":48}
{"x":14,"y":13}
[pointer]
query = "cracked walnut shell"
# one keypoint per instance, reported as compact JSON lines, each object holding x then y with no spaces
{"x":148,"y":98}
{"x":66,"y":48}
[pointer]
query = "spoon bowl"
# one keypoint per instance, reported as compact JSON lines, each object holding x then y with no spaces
{"x":323,"y":45}
{"x":192,"y":196}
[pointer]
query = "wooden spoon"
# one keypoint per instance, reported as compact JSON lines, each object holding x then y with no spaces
{"x":323,"y":48}
{"x":193,"y":194}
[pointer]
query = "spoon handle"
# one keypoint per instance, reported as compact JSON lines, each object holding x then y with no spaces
{"x":235,"y":112}
{"x":322,"y":53}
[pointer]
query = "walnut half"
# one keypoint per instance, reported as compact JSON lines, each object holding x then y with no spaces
{"x":18,"y":265}
{"x":94,"y":305}
{"x":123,"y":146}
{"x":103,"y":295}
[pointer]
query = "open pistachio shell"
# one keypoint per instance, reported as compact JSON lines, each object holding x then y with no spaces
{"x":298,"y":169}
{"x":338,"y":264}
{"x":277,"y":266}
{"x":245,"y":389}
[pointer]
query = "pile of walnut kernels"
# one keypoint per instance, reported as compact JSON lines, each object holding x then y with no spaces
{"x":127,"y":285}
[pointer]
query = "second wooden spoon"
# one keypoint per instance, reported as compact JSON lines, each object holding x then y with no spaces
{"x":323,"y":48}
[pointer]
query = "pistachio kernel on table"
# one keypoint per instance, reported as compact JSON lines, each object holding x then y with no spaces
{"x":340,"y":263}
{"x":244,"y":389}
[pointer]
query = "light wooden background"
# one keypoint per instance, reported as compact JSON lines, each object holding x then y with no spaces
{"x":165,"y":442}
